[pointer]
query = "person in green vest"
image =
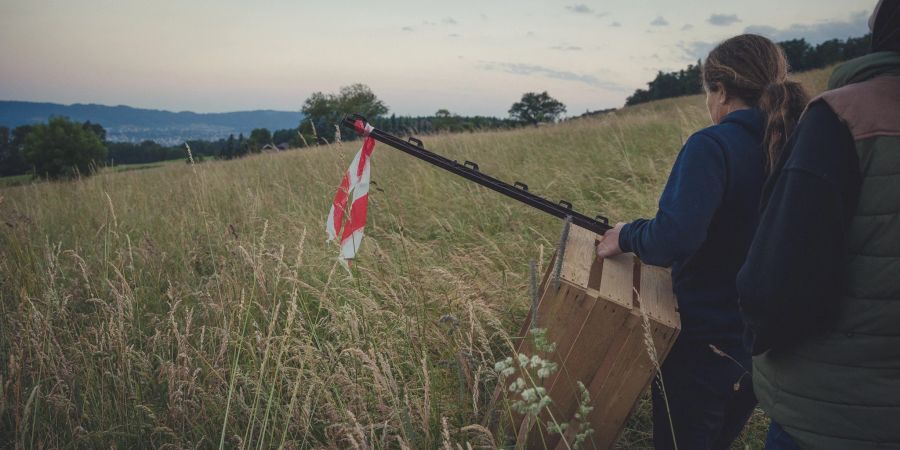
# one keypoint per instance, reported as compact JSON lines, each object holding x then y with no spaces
{"x":820,"y":288}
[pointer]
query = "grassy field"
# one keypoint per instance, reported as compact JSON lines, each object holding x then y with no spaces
{"x":20,"y":180}
{"x":199,"y":306}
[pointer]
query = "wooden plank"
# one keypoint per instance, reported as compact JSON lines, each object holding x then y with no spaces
{"x":631,"y":373}
{"x":662,"y":307}
{"x":641,"y":374}
{"x":608,"y":382}
{"x":616,"y":286}
{"x":656,"y":293}
{"x":584,"y":359}
{"x":551,"y":311}
{"x":617,"y":279}
{"x":664,"y":336}
{"x":561,"y":313}
{"x":580,"y":257}
{"x":565,"y":311}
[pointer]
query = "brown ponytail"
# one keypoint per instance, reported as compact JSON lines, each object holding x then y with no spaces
{"x":754,"y":69}
{"x":782,"y":103}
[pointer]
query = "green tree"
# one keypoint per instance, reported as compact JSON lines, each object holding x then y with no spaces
{"x":444,"y":120}
{"x":323,"y":111}
{"x":797,"y":52}
{"x":283,"y":136}
{"x":19,"y":134}
{"x":828,"y":52}
{"x":11,"y":160}
{"x":62,"y":148}
{"x":535,"y":108}
{"x":359,"y":99}
{"x":228,"y":150}
{"x":242,"y":148}
{"x":259,"y":138}
{"x":97,"y":129}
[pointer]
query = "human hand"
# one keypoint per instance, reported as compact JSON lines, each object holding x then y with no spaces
{"x":609,"y":242}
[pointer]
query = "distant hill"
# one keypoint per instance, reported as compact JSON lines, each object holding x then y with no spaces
{"x":124,"y":123}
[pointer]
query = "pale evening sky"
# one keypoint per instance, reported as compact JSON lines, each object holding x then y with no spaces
{"x":471,"y":57}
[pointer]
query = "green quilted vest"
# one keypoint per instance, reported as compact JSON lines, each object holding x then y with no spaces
{"x":842,"y":391}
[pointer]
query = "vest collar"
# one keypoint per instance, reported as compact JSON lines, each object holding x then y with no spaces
{"x":865,"y":68}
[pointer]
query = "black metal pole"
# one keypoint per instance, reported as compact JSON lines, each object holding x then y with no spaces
{"x":469,"y":170}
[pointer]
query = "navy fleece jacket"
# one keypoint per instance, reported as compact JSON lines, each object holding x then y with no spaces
{"x":706,"y":220}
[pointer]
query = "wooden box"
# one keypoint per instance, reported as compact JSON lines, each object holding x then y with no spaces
{"x":594,"y":313}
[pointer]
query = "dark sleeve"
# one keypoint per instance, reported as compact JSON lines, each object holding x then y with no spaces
{"x":789,"y":285}
{"x":690,"y":199}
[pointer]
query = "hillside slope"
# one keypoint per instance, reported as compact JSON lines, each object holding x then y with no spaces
{"x":124,"y":123}
{"x":193,"y":305}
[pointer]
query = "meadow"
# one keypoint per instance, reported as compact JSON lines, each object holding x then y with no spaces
{"x":199,"y":306}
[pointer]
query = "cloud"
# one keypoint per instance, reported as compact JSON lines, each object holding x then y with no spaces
{"x":585,"y":9}
{"x":723,"y":20}
{"x":580,"y":9}
{"x":659,"y":21}
{"x":616,"y":24}
{"x":854,"y":26}
{"x":547,"y":72}
{"x":449,"y":21}
{"x":687,"y":26}
{"x":566,"y":48}
{"x":696,"y":50}
{"x":816,"y":33}
{"x":407,"y":28}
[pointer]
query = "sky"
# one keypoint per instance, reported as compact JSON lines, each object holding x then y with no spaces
{"x":472,"y":57}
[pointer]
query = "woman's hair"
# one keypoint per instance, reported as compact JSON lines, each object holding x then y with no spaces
{"x":885,"y":26}
{"x":754,"y":69}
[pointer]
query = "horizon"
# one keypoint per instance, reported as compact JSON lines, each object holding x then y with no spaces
{"x":106,"y":105}
{"x":469,"y":58}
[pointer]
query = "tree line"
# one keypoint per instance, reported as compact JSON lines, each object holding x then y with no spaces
{"x":800,"y":55}
{"x":323,"y":111}
{"x":64,"y":148}
{"x":60,"y":147}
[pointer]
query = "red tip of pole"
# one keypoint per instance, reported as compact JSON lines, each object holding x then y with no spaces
{"x":359,"y":126}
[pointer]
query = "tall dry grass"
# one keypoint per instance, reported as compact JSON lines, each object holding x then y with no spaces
{"x":199,"y":306}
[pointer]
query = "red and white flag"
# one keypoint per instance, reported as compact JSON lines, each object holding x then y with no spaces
{"x":347,"y":217}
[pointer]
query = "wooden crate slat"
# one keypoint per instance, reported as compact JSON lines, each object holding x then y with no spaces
{"x":561,"y":315}
{"x":656,"y":292}
{"x":617,"y":279}
{"x":579,"y":257}
{"x":596,"y":338}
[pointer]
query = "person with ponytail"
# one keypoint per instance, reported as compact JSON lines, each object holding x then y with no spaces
{"x":705,"y":222}
{"x":820,"y":289}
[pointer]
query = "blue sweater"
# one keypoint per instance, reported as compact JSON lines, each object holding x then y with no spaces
{"x":706,"y":220}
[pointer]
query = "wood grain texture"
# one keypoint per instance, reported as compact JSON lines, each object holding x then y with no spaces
{"x":657,"y":296}
{"x":580,"y":256}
